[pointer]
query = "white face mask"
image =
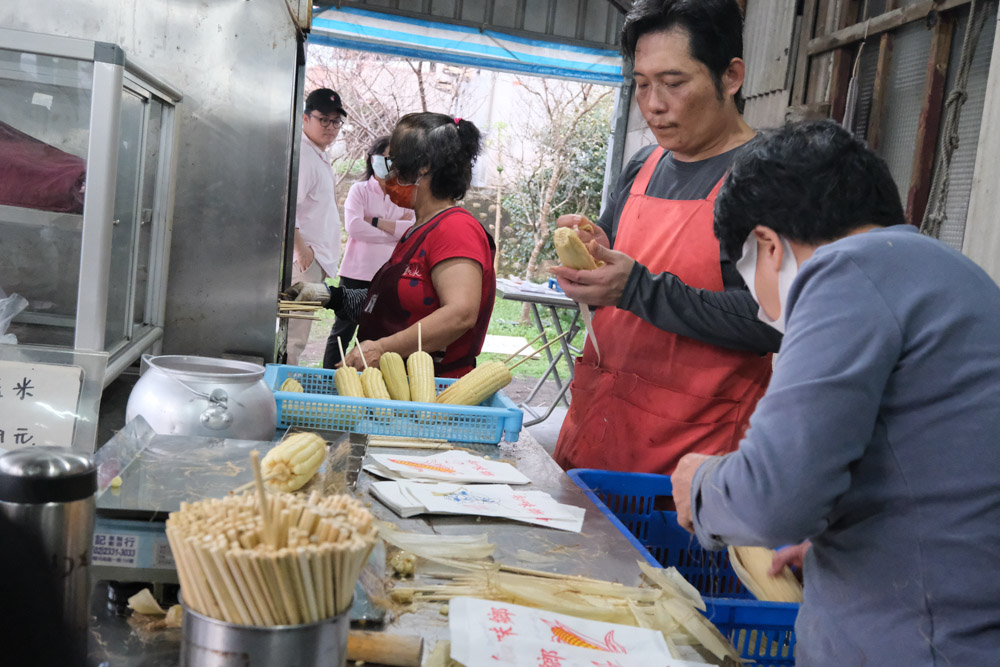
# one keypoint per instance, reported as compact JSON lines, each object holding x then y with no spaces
{"x":380,"y":166}
{"x":747,"y":266}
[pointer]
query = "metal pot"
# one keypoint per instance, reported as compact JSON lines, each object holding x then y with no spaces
{"x":208,"y":642}
{"x":200,"y":396}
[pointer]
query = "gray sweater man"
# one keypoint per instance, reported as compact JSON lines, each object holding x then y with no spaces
{"x":877,"y":438}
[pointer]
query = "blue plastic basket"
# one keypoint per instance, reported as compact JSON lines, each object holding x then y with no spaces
{"x":762,"y":632}
{"x":320,"y":407}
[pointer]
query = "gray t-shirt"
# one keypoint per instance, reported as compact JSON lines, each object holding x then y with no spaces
{"x":728,"y":319}
{"x":877,"y":439}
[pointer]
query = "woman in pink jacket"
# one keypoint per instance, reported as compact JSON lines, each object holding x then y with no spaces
{"x":374,"y":225}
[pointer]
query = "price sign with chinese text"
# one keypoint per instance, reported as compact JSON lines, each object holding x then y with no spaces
{"x":38,"y":403}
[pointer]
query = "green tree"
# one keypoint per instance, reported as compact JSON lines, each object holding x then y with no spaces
{"x":567,"y":175}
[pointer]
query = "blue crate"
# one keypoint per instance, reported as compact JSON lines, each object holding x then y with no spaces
{"x":320,"y":407}
{"x":762,"y":632}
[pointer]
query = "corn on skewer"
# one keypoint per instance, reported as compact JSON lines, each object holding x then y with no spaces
{"x":421,"y":373}
{"x":294,"y":461}
{"x":373,"y":384}
{"x":346,"y":378}
{"x":477,"y":385}
{"x":394,"y":374}
{"x":483,"y":381}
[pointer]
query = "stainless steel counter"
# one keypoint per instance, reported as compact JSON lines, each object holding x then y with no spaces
{"x":599,"y":550}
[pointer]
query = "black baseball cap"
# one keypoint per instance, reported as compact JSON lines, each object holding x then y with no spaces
{"x":325,"y":101}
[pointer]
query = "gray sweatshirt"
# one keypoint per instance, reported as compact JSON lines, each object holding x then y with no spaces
{"x":878,"y":439}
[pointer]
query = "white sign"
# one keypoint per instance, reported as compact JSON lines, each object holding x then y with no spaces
{"x":38,"y":404}
{"x":117,"y":549}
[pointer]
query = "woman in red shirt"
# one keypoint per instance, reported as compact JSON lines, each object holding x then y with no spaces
{"x":440,"y":274}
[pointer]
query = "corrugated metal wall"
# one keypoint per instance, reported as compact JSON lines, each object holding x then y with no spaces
{"x":963,"y":160}
{"x":903,"y":101}
{"x":767,"y":41}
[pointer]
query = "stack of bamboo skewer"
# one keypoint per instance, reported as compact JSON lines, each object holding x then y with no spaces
{"x":295,"y":561}
{"x":298,"y":310}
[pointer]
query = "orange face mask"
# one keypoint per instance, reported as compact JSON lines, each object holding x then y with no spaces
{"x":400,"y":195}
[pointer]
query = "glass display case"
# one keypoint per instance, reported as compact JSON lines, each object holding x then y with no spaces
{"x":87,"y":158}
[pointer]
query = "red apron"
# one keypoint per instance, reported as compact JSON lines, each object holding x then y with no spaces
{"x":383,"y":315}
{"x":657,"y":395}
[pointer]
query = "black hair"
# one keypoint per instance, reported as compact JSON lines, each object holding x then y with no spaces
{"x":714,"y":29}
{"x":811,"y":182}
{"x":377,"y":148}
{"x":446,"y":146}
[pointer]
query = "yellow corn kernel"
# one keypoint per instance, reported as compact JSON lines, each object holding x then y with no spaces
{"x":421,"y":370}
{"x":292,"y":385}
{"x":571,"y":250}
{"x":477,"y":385}
{"x":348,"y":383}
{"x":373,"y":384}
{"x":293,"y":461}
{"x":394,"y":374}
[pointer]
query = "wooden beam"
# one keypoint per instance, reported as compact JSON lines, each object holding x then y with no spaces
{"x":819,"y":66}
{"x":843,"y":64}
{"x":806,"y":31}
{"x":930,"y":120}
{"x":877,"y":111}
{"x":879,"y":24}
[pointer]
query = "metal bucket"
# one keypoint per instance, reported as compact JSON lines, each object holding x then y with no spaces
{"x":201,"y":396}
{"x":208,"y":642}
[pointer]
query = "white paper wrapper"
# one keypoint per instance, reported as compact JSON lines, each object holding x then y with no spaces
{"x":486,"y":633}
{"x":451,"y":466}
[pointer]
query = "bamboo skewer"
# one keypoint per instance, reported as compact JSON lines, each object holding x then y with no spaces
{"x":526,"y":346}
{"x":551,"y":342}
{"x":266,"y":559}
{"x":294,"y":316}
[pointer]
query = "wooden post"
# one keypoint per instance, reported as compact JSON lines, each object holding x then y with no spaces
{"x":874,"y":134}
{"x":806,"y":31}
{"x":843,"y":63}
{"x":930,"y":120}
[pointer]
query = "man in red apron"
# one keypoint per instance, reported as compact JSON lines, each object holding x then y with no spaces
{"x":680,"y":369}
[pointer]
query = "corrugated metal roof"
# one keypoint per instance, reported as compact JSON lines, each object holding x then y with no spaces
{"x":592,"y":23}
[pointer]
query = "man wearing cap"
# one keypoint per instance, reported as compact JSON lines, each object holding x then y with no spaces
{"x":317,"y":221}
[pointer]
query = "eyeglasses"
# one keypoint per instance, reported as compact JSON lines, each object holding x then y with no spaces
{"x":327,"y":122}
{"x":381,"y":166}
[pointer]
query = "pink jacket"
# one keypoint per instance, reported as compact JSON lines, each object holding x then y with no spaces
{"x":368,"y":248}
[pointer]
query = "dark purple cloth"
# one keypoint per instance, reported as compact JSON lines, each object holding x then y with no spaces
{"x":34,"y":174}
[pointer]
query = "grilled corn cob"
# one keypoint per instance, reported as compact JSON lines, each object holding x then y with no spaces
{"x":571,"y":251}
{"x":394,"y":374}
{"x":421,"y":371}
{"x":294,"y":461}
{"x":373,"y":384}
{"x":477,"y":385}
{"x":348,"y":383}
{"x":292,"y":385}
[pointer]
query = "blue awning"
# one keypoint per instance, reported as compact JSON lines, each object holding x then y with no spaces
{"x":461,"y":45}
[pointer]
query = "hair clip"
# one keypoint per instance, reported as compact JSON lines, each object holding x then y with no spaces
{"x":457,"y":120}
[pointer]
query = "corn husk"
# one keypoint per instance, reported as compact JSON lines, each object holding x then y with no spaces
{"x":666,"y":606}
{"x":143,"y":602}
{"x":751,"y":565}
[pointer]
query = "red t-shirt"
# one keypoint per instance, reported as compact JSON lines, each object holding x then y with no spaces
{"x":458,"y":234}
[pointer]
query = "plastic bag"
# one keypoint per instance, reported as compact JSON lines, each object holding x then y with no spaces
{"x":9,"y":308}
